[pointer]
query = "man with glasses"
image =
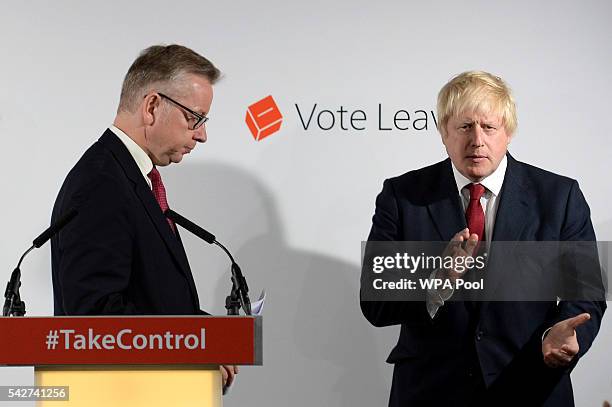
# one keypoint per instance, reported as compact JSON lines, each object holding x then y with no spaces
{"x":121,"y":255}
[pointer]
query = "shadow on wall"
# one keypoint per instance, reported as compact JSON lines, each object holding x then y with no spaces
{"x":603,"y":230}
{"x":318,"y":348}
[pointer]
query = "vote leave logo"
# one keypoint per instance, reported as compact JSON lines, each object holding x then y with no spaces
{"x":263,"y":118}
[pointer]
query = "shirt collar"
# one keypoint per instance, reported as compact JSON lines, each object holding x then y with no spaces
{"x":492,"y":183}
{"x":140,"y":156}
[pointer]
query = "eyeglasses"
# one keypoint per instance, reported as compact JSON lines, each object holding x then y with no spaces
{"x":199,"y":119}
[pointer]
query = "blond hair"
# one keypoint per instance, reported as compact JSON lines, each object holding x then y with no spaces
{"x":476,"y":91}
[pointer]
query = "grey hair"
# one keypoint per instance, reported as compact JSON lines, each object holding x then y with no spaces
{"x":162,"y":66}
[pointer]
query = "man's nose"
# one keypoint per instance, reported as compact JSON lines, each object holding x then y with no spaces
{"x":199,"y":134}
{"x":477,"y":136}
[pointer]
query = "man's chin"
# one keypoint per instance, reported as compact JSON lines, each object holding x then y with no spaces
{"x":175,"y":158}
{"x":167,"y":162}
{"x":477,"y":172}
{"x":480,"y":175}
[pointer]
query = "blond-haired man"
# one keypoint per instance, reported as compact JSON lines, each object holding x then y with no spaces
{"x":460,"y":353}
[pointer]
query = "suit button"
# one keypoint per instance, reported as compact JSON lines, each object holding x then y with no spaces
{"x":479,"y":335}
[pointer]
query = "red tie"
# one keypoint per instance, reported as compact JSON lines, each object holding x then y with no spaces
{"x":474,"y":215}
{"x":159,"y":191}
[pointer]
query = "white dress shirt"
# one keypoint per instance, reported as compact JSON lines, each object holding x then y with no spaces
{"x":143,"y":161}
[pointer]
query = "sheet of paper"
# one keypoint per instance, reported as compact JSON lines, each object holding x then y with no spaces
{"x":257,"y":306}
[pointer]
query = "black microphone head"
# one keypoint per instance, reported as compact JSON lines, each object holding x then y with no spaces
{"x":190,"y":226}
{"x":56,"y":227}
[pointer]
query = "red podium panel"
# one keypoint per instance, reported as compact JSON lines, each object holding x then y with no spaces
{"x":148,"y":340}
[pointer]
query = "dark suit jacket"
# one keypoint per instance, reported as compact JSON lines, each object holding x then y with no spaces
{"x":119,"y":255}
{"x":451,"y":359}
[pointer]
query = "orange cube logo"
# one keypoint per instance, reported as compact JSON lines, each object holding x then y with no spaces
{"x":263,"y":118}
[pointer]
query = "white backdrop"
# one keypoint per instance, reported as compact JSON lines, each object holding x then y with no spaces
{"x":295,"y":206}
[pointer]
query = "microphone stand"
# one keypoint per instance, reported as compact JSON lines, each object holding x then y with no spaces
{"x":13,"y":306}
{"x":239,"y":295}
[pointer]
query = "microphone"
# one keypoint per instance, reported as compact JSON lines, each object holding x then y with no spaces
{"x":191,"y":227}
{"x":53,"y":229}
{"x":12,"y":303}
{"x":239,"y":295}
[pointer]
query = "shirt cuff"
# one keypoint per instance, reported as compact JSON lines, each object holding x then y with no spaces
{"x":545,"y":333}
{"x":436,"y":298}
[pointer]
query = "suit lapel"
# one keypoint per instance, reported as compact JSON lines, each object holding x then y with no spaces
{"x":514,"y":205}
{"x":159,"y":220}
{"x":173,"y":243}
{"x":513,"y":214}
{"x":445,"y":207}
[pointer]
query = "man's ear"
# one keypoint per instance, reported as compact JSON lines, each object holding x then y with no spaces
{"x":150,"y":109}
{"x":510,"y":137}
{"x":443,"y":133}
